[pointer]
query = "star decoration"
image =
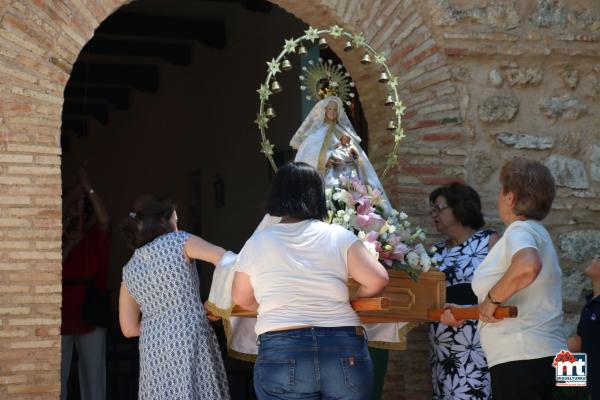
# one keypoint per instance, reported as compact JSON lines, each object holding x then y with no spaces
{"x":380,"y":58}
{"x":264,"y":92}
{"x":399,"y":135}
{"x":273,"y":67}
{"x":311,"y":34}
{"x":261,"y":120}
{"x":290,"y":46}
{"x":393,"y":82}
{"x":266,"y":147}
{"x":358,"y":39}
{"x":336,"y":31}
{"x":399,"y":107}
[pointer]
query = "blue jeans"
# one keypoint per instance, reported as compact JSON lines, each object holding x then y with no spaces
{"x":313,"y":363}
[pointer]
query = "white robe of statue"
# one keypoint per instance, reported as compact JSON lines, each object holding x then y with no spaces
{"x":318,"y":139}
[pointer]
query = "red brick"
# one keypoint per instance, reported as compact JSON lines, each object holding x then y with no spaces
{"x":440,"y":180}
{"x":419,"y":57}
{"x":434,"y":137}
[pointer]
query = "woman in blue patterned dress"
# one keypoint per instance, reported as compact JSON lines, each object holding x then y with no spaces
{"x":459,"y":368}
{"x":179,"y":353}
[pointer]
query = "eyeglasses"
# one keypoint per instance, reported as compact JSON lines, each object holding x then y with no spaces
{"x":438,"y":208}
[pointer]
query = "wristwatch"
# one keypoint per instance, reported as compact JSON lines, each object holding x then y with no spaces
{"x":492,"y":300}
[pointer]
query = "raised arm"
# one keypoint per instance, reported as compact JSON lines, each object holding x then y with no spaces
{"x":97,"y":204}
{"x":199,"y":249}
{"x":129,"y":313}
{"x":367,"y":271}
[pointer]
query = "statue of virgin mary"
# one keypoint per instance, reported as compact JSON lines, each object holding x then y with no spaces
{"x":319,"y":141}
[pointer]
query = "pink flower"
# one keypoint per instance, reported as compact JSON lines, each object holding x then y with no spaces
{"x":386,"y":258}
{"x":344,"y":180}
{"x":370,"y":221}
{"x":372,"y":236}
{"x":364,"y":206}
{"x":359,"y":186}
{"x":363,"y":221}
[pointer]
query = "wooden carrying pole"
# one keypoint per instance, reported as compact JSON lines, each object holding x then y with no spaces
{"x":375,"y":304}
{"x":366,"y":304}
{"x":471,"y":313}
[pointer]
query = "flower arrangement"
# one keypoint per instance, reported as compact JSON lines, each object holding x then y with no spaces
{"x":392,"y":239}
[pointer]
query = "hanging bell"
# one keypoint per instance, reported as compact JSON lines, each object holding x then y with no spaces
{"x":383,"y":78}
{"x":391,"y":125}
{"x":389,"y":101}
{"x":366,"y":59}
{"x":323,"y":43}
{"x":348,"y":46}
{"x":270,"y":113}
{"x":302,"y":50}
{"x":276,"y":87}
{"x":286,"y":65}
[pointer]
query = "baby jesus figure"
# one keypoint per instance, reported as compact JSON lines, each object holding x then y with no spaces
{"x":343,"y":160}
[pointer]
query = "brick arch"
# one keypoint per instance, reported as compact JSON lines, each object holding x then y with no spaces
{"x":39,"y":43}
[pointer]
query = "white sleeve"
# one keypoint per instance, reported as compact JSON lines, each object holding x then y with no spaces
{"x":345,"y":239}
{"x":520,"y":237}
{"x":246,"y":260}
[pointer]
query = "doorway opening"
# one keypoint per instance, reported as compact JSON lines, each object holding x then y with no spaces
{"x":162,"y":100}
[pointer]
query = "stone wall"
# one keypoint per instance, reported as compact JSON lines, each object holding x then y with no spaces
{"x":482,"y":80}
{"x":528,"y":79}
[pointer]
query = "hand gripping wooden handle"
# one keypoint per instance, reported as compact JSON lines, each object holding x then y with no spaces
{"x":471,"y":313}
{"x":366,"y":304}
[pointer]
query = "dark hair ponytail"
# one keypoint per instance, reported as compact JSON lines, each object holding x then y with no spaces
{"x":148,"y":220}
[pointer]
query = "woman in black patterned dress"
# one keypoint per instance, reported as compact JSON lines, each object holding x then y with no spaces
{"x":459,"y":368}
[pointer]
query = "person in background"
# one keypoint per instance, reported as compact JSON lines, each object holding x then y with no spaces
{"x":86,"y":251}
{"x":295,"y":273}
{"x":459,"y":367}
{"x":159,"y":301}
{"x":587,"y":338}
{"x":522,"y":270}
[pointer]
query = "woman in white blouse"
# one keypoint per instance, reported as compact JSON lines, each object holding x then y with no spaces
{"x":294,"y":273}
{"x":522,"y":270}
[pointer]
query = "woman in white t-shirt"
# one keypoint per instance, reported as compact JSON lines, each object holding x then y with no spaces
{"x":294,"y":273}
{"x":522,"y":270}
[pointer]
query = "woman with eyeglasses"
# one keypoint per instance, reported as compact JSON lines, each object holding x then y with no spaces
{"x":459,"y":367}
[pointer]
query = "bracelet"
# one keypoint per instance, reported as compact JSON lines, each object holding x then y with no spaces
{"x":492,"y":300}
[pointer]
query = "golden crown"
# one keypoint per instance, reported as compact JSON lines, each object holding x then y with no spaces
{"x":323,"y":79}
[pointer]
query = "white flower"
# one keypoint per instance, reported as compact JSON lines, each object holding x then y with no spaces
{"x":425,"y":262}
{"x":340,"y":213}
{"x":433,"y":249}
{"x":391,"y":229}
{"x":371,"y":247}
{"x":394,"y":213}
{"x":403,"y":216}
{"x":346,"y":218}
{"x":412,"y":258}
{"x":328,"y":193}
{"x":362,"y":235}
{"x":419,"y":249}
{"x":406,"y":224}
